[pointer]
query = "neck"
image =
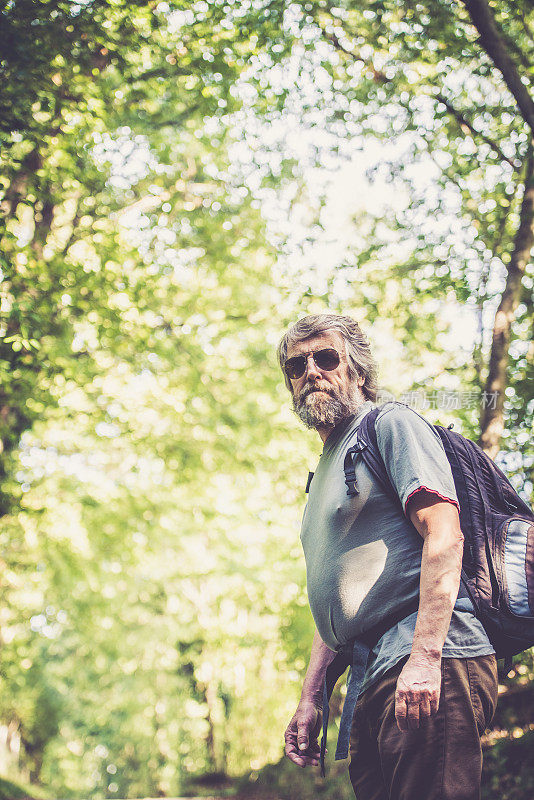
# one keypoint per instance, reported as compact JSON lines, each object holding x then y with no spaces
{"x":324,"y":433}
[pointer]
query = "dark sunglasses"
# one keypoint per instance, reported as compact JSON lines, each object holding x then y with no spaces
{"x":326,"y":360}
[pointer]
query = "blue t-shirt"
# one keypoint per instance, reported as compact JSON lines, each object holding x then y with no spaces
{"x":363,"y":555}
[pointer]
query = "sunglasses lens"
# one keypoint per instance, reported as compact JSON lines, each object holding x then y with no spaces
{"x":295,"y":367}
{"x":326,"y":359}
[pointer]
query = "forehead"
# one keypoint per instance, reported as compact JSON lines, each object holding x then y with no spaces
{"x":318,"y":342}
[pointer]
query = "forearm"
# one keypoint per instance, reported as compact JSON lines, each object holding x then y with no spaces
{"x":441,"y":566}
{"x":320,"y":657}
{"x":419,"y":684}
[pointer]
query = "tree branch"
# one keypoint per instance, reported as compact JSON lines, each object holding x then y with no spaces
{"x":73,"y":236}
{"x":43,"y":223}
{"x":464,"y":124}
{"x":494,"y":44}
{"x":521,"y":17}
{"x":378,"y":75}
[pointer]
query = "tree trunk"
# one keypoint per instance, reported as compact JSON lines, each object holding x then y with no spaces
{"x":494,"y":43}
{"x":210,"y":696}
{"x":492,"y":422}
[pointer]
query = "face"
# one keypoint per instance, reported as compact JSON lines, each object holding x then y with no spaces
{"x":323,"y":398}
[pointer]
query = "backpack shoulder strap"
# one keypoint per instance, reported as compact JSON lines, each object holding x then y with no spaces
{"x":367,"y":447}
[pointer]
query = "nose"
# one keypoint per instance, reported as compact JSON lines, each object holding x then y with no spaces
{"x":312,"y":368}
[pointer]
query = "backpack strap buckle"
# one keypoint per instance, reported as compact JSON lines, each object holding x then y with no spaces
{"x":350,"y":470}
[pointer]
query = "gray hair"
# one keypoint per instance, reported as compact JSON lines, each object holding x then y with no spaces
{"x":359,"y":358}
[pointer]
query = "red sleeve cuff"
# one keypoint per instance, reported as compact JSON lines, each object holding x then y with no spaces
{"x":431,"y":491}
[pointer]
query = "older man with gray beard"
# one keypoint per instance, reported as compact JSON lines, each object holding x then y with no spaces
{"x":425,"y":688}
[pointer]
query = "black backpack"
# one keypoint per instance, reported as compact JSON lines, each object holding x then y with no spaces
{"x":498,"y":529}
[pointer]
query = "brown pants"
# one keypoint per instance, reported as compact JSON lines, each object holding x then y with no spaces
{"x":442,"y":760}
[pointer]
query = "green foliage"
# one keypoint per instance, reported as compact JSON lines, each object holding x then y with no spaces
{"x":284,"y":781}
{"x":123,"y":303}
{"x":153,"y":619}
{"x":508,"y":771}
{"x":9,"y":790}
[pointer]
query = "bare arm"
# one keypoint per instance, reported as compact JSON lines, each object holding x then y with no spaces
{"x":320,"y":657}
{"x":302,"y":746}
{"x":419,"y":684}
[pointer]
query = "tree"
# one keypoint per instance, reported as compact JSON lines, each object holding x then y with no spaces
{"x":85,"y":86}
{"x":152,"y":587}
{"x":454,"y":81}
{"x":105,"y":274}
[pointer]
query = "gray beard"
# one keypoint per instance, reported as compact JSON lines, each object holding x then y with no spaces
{"x":317,"y":410}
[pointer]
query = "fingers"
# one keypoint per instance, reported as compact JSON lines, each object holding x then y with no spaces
{"x":417,"y":693}
{"x":302,"y":758}
{"x":302,"y":736}
{"x":413,"y":716}
{"x":412,"y":711}
{"x":407,"y":714}
{"x":401,"y":712}
{"x":425,"y":708}
{"x":434,"y":703}
{"x":298,"y":747}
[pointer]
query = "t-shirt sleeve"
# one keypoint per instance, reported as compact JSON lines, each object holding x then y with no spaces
{"x":413,"y":454}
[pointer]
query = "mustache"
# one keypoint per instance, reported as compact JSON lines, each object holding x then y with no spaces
{"x":315,"y":387}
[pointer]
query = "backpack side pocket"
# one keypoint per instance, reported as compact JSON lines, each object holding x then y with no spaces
{"x":517,"y":554}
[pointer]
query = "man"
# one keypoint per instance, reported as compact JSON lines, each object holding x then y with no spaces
{"x":430,"y":682}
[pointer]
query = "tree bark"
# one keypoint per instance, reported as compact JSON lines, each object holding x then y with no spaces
{"x":494,"y":44}
{"x":210,"y":695}
{"x":492,"y":422}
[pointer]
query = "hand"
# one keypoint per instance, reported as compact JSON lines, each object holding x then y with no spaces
{"x":301,"y":735}
{"x":418,"y":691}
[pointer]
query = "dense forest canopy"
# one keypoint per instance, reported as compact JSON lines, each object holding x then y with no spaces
{"x":166,"y":214}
